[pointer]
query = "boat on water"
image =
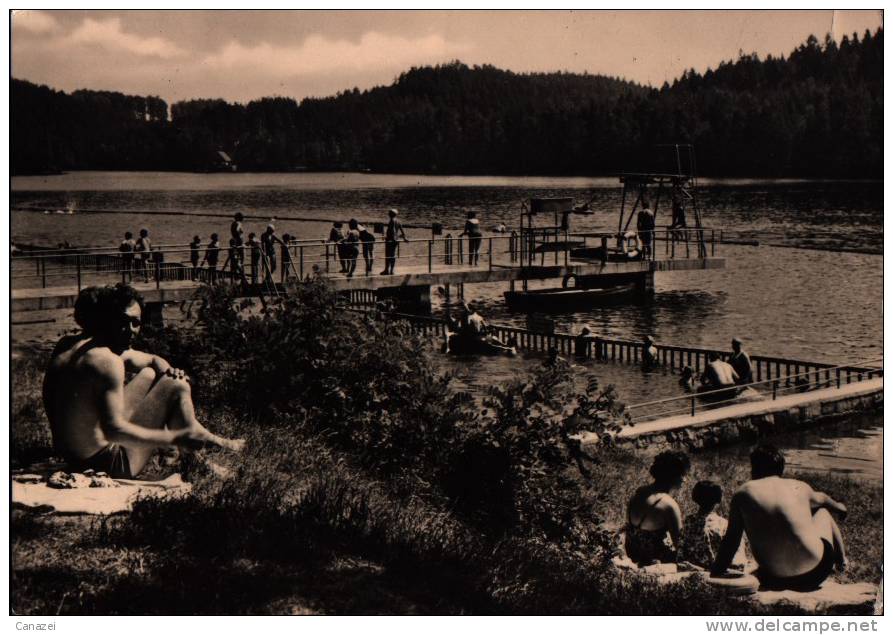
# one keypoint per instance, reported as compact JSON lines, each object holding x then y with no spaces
{"x":561,"y":299}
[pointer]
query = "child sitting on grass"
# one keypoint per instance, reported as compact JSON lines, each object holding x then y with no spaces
{"x":703,"y":531}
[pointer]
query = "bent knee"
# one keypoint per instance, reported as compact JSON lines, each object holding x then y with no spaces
{"x":146,"y":374}
{"x":177,"y":386}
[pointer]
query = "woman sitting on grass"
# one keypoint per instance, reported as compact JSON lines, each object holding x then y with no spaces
{"x":654,"y":521}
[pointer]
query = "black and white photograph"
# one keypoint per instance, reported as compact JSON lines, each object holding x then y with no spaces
{"x":499,"y":312}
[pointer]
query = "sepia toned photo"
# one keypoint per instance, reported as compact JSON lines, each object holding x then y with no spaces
{"x":416,"y":312}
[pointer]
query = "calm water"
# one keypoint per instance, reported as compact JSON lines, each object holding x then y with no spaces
{"x":802,"y":298}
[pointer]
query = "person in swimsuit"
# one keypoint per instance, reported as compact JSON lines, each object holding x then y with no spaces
{"x":792,"y":535}
{"x":100,"y":420}
{"x":654,"y":521}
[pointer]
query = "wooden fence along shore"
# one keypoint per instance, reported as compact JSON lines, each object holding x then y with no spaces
{"x":811,"y":374}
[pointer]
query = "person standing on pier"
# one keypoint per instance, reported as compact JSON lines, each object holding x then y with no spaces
{"x":212,"y":255}
{"x":268,"y":241}
{"x":645,"y":227}
{"x":235,"y":229}
{"x":141,"y":253}
{"x":367,"y":239}
{"x":195,"y":248}
{"x":254,"y":250}
{"x":336,"y":236}
{"x":126,"y":248}
{"x":473,"y":231}
{"x":351,"y":246}
{"x":740,"y":361}
{"x":392,"y":233}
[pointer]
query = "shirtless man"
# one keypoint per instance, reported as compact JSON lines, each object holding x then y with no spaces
{"x":718,"y":374}
{"x":792,"y":535}
{"x":98,"y":419}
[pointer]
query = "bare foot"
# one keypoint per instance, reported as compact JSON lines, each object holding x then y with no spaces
{"x":233,"y":445}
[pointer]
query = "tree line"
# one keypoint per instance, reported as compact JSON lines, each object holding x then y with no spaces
{"x":818,"y":112}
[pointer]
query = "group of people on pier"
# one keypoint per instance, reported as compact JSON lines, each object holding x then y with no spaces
{"x":137,"y":258}
{"x":793,"y":537}
{"x":348,"y":245}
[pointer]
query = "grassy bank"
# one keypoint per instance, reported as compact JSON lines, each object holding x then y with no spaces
{"x":325,"y":520}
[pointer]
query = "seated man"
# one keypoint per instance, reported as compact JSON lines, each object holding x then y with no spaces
{"x":740,"y":361}
{"x":98,"y":419}
{"x":718,"y":374}
{"x":792,"y":535}
{"x":474,"y":322}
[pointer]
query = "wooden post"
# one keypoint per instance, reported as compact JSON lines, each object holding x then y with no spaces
{"x":567,"y":248}
{"x":604,"y":249}
{"x":774,"y":389}
{"x":430,"y":252}
{"x":490,"y":241}
{"x":77,"y":260}
{"x":301,"y":261}
{"x":692,"y":406}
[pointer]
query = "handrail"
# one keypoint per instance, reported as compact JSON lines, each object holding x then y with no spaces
{"x":749,"y":385}
{"x":111,"y":251}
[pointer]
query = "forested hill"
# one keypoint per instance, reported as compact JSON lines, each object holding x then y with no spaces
{"x":817,"y":112}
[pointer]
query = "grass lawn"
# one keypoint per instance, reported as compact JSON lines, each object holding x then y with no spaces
{"x":301,"y":530}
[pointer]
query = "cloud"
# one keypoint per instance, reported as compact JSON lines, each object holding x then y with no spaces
{"x":34,"y":21}
{"x":108,"y":34}
{"x":318,"y":55}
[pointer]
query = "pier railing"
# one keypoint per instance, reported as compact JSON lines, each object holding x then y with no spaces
{"x":712,"y":399}
{"x":778,"y":372}
{"x":301,"y":258}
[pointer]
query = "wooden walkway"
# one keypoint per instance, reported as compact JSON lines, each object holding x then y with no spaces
{"x":57,"y":297}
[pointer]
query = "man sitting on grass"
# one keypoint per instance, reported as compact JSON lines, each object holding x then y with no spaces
{"x":101,"y":421}
{"x":792,"y":535}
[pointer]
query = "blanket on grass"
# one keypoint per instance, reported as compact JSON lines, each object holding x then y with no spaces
{"x":88,"y":494}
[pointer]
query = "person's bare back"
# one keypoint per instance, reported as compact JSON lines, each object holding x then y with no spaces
{"x":792,"y":535}
{"x":99,"y":419}
{"x":777,"y":517}
{"x":69,"y":393}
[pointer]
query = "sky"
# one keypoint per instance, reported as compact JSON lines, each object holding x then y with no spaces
{"x":245,"y":55}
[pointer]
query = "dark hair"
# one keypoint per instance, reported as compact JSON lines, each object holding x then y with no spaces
{"x":706,"y":493}
{"x":144,"y":232}
{"x":97,"y":309}
{"x":670,"y":466}
{"x":353,"y":223}
{"x":213,"y":236}
{"x":765,"y":461}
{"x":251,"y":235}
{"x":471,"y":214}
{"x":196,"y":239}
{"x":238,"y":216}
{"x":128,"y":235}
{"x":232,"y":242}
{"x":712,"y":356}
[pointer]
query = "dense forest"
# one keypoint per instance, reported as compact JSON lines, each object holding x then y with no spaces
{"x":817,"y":112}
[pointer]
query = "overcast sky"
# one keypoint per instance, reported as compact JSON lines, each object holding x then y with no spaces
{"x":243,"y":55}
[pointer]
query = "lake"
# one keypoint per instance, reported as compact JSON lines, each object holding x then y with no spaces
{"x":812,"y":290}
